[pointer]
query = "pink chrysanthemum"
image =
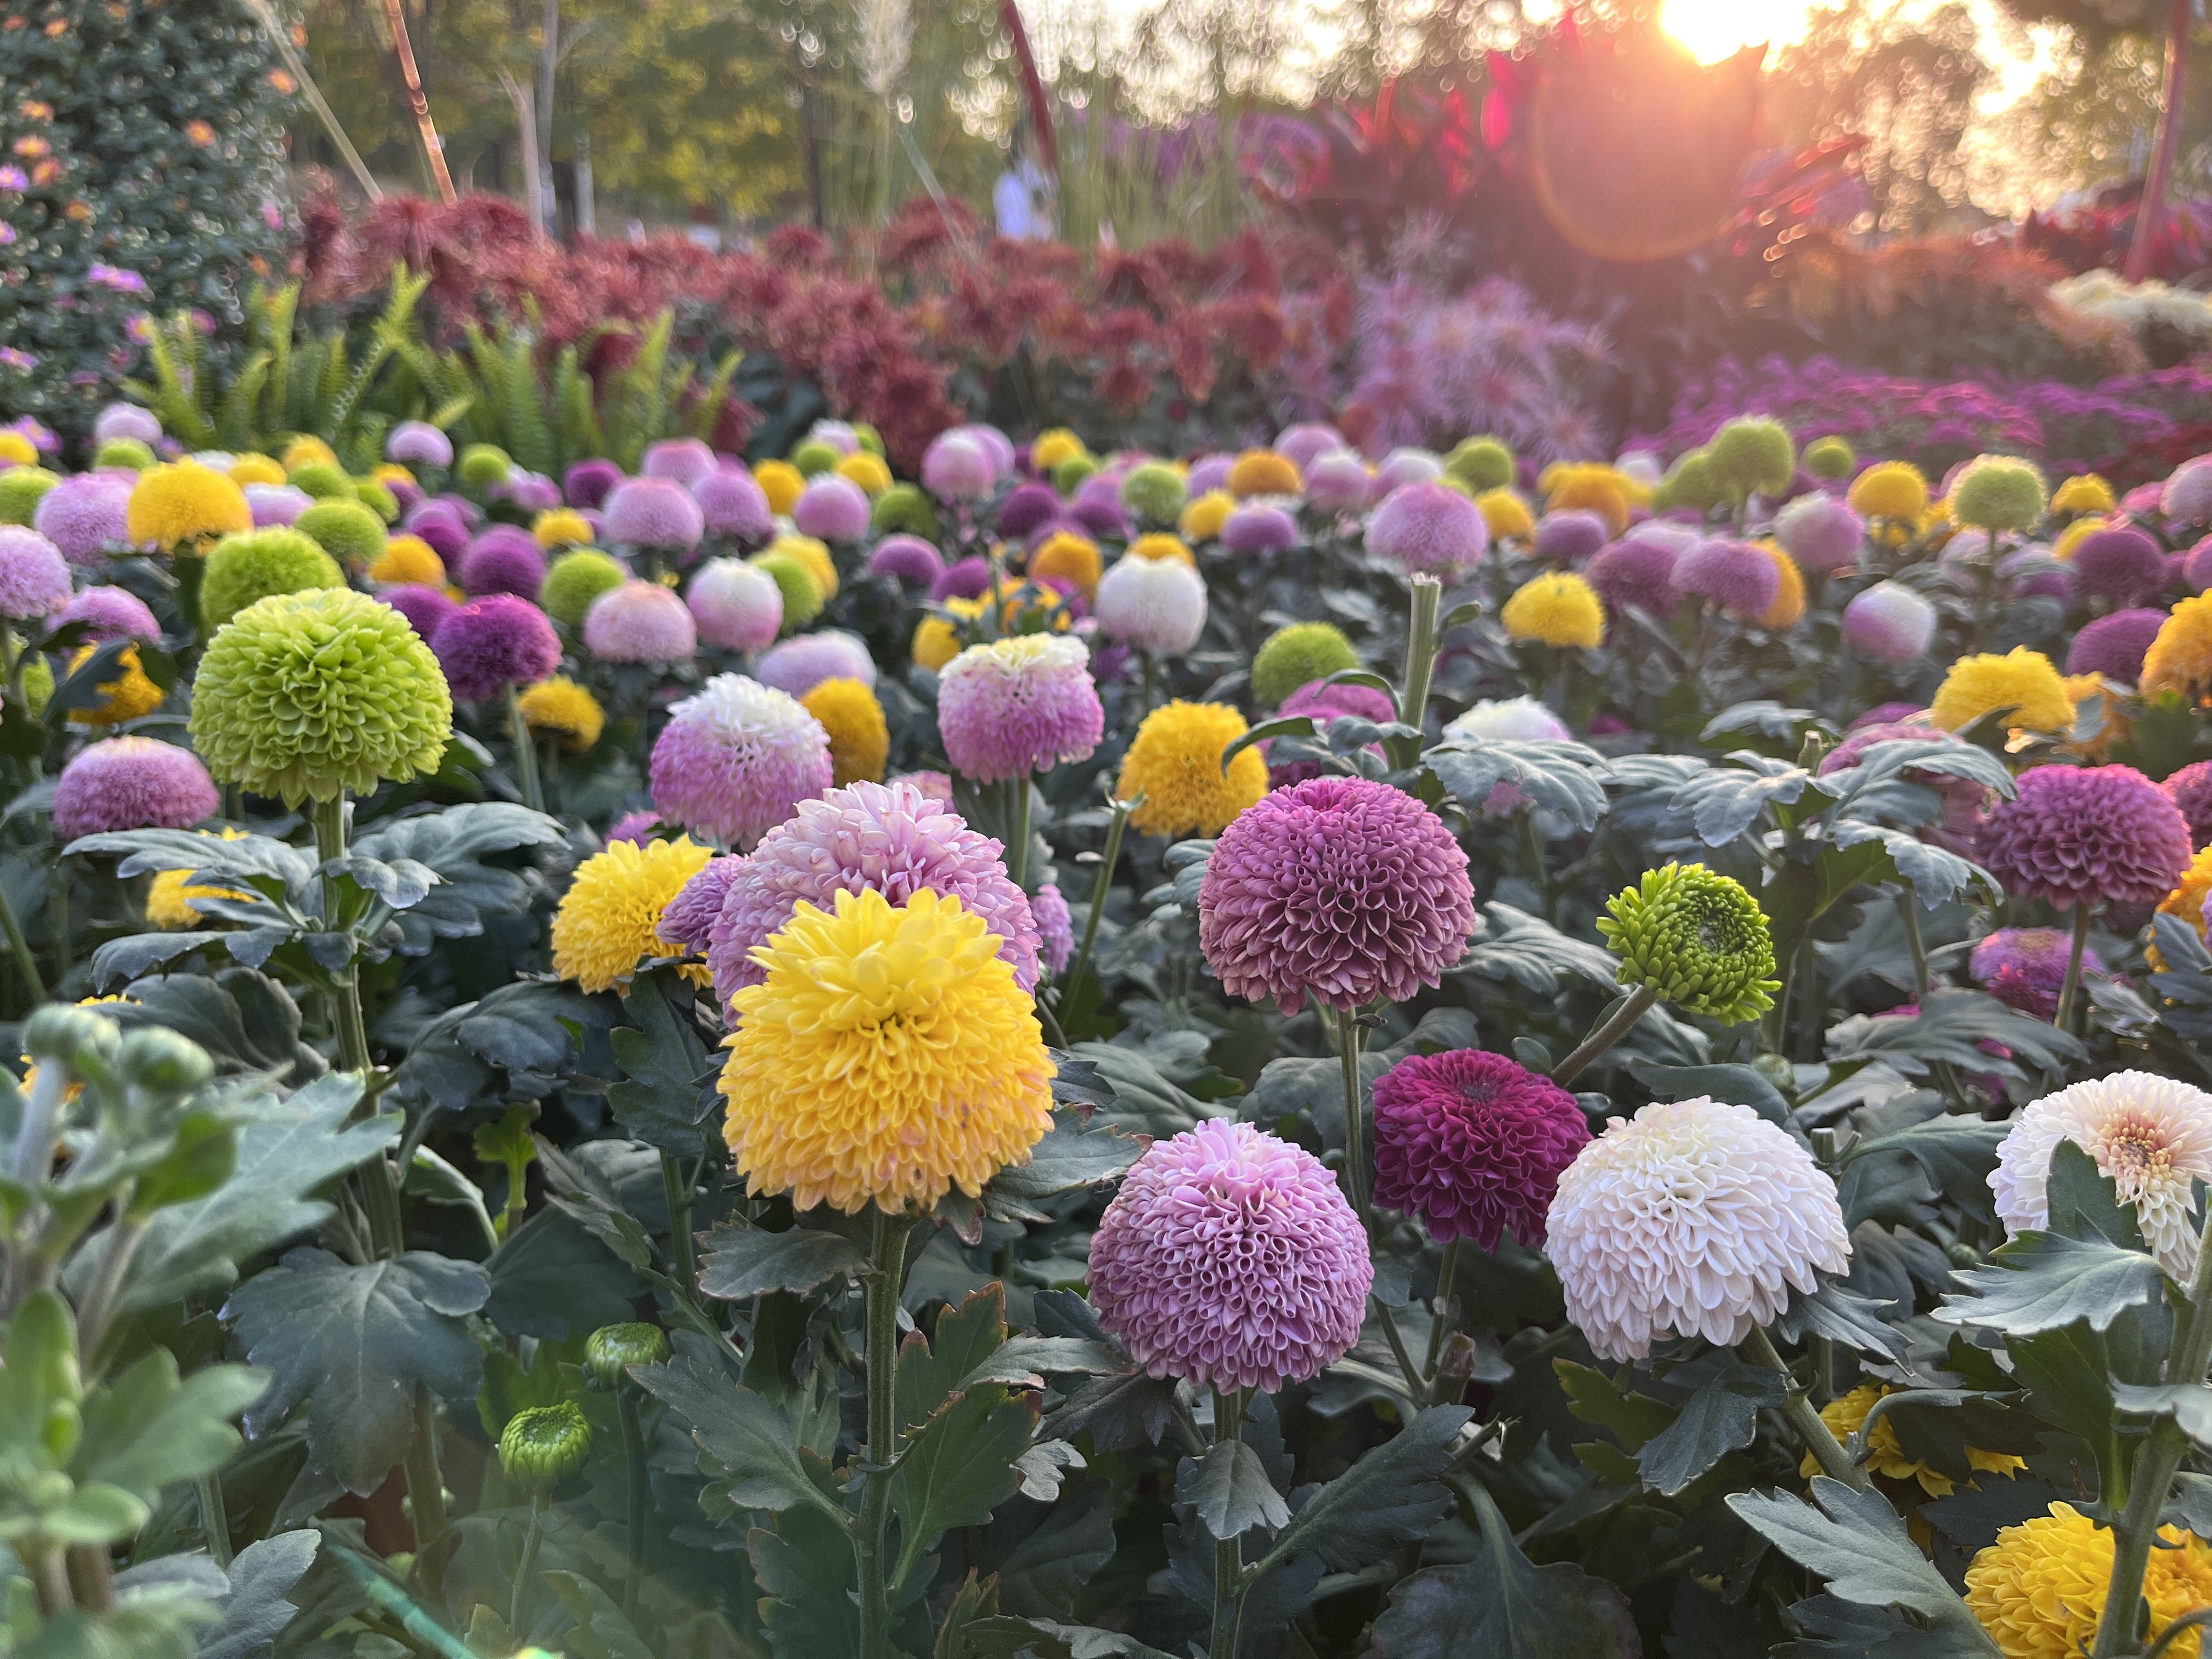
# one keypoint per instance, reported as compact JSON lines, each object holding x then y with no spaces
{"x":1324,"y":702}
{"x":133,"y":783}
{"x":1263,"y":527}
{"x":1696,"y":1219}
{"x":1342,"y":889}
{"x":1821,"y":532}
{"x":1570,"y":536}
{"x":2152,"y":1135}
{"x":689,"y":920}
{"x":505,"y":559}
{"x":1299,"y":444}
{"x":126,"y":421}
{"x":636,"y":827}
{"x":639,"y":621}
{"x":678,"y":460}
{"x":907,"y":560}
{"x":891,"y":838}
{"x":935,"y":785}
{"x":2122,"y":564}
{"x":494,"y":642}
{"x":84,"y":516}
{"x":832,"y":508}
{"x":2026,"y":967}
{"x":2191,"y":789}
{"x":2187,"y":496}
{"x":425,"y":608}
{"x":1890,"y":624}
{"x":1426,"y":529}
{"x":35,"y":578}
{"x":110,"y":613}
{"x":1230,"y":1257}
{"x":957,"y":468}
{"x":1406,"y":466}
{"x":733,"y":504}
{"x":1736,"y":576}
{"x":1011,"y":706}
{"x":736,"y":605}
{"x":735,"y":760}
{"x":1208,"y":473}
{"x":800,"y":664}
{"x":418,"y":443}
{"x":1473,"y":1143}
{"x":2115,"y":645}
{"x":1638,"y":571}
{"x":1055,"y":927}
{"x":1336,"y":482}
{"x":2086,"y":834}
{"x":653,"y":512}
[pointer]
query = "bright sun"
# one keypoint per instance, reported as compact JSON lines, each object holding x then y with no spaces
{"x":1714,"y":29}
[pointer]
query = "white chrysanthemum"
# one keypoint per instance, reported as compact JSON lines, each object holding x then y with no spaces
{"x":1515,"y":719}
{"x":1153,"y":604}
{"x":1694,"y":1218}
{"x":2152,"y":1135}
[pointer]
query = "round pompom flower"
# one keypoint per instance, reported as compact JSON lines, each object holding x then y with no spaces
{"x":1010,"y":706}
{"x":1260,"y":526}
{"x":2115,"y":645}
{"x":1432,"y":529}
{"x":1736,"y":576}
{"x":425,"y":608}
{"x":2186,"y":497}
{"x":575,"y":579}
{"x":1342,"y":889}
{"x":689,"y":917}
{"x":1556,"y":608}
{"x":1230,"y":1258}
{"x":408,"y":559}
{"x":2021,"y":680}
{"x":1890,"y":624}
{"x":1073,"y":559}
{"x":494,"y":642}
{"x":681,"y":460}
{"x":957,"y":468}
{"x":737,"y":606}
{"x":242,"y":569}
{"x":1481,"y":464}
{"x":2189,"y":789}
{"x":859,"y":738}
{"x":1209,"y":510}
{"x":504,"y":560}
{"x":966,"y":579}
{"x":1751,"y":454}
{"x":1509,"y":518}
{"x":2025,"y":968}
{"x":1637,"y":572}
{"x":566,"y":712}
{"x":1696,"y":938}
{"x":1026,"y":506}
{"x":886,"y":1056}
{"x":2181,"y":658}
{"x":22,"y":489}
{"x":125,"y":698}
{"x":1263,"y":472}
{"x":799,"y":665}
{"x":1404,"y":466}
{"x":1337,"y":482}
{"x":2041,"y":1589}
{"x":86,"y":515}
{"x":1154,"y":492}
{"x":1998,"y":493}
{"x":832,"y":508}
{"x":1789,"y":607}
{"x":1846,"y":1415}
{"x":126,"y":421}
{"x":418,"y":443}
{"x":1151,"y":605}
{"x":1175,"y":763}
{"x":1573,"y":535}
{"x":639,"y":621}
{"x":306,"y":694}
{"x":731,"y":503}
{"x":133,"y":783}
{"x":653,"y":512}
{"x":1694,"y":1218}
{"x":2123,"y":565}
{"x":588,"y":482}
{"x":1518,"y":720}
{"x":110,"y":613}
{"x":2085,"y":836}
{"x":1890,"y":490}
{"x":1055,"y":927}
{"x":735,"y":759}
{"x":1474,"y":1143}
{"x":908,"y":560}
{"x":1293,"y":656}
{"x":347,"y":531}
{"x":560,"y":526}
{"x":35,"y":578}
{"x":610,"y":918}
{"x":170,"y":506}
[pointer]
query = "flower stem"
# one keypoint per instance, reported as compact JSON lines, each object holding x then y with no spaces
{"x":1355,"y":1119}
{"x":1099,"y":890}
{"x":215,"y":1521}
{"x":1818,"y":1438}
{"x":2063,"y":1019}
{"x":527,"y":1566}
{"x":1907,"y":914}
{"x":638,"y":1491}
{"x":1017,"y":855}
{"x":380,"y":1181}
{"x":683,"y":1247}
{"x":1440,"y":1328}
{"x":1421,"y":667}
{"x":426,"y":1479}
{"x":1228,"y":1553}
{"x":885,"y":1282}
{"x":20,"y":948}
{"x":1619,"y":1026}
{"x":526,"y":753}
{"x":57,"y":916}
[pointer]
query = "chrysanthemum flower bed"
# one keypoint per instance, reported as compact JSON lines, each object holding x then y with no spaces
{"x":1264,"y":1052}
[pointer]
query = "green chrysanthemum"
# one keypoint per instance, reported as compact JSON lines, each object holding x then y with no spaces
{"x":309,"y":694}
{"x":127,"y":453}
{"x":345,"y":530}
{"x":1068,"y":476}
{"x":612,"y":1349}
{"x":1830,"y":458}
{"x":1999,"y":492}
{"x":1293,"y":656}
{"x":543,"y":1446}
{"x":1155,"y":493}
{"x":324,"y":481}
{"x":482,"y":466}
{"x":903,"y":509}
{"x":575,"y":579}
{"x":1480,"y":464}
{"x":802,"y":593}
{"x":815,"y":457}
{"x":1751,"y":453}
{"x":871,"y":440}
{"x":377,"y":498}
{"x":1698,"y":939}
{"x":22,"y":489}
{"x":242,"y":569}
{"x":1690,"y":483}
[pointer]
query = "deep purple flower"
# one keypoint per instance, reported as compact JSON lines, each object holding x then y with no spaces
{"x":110,"y":613}
{"x":1010,"y":706}
{"x":1473,"y":1144}
{"x":735,"y":760}
{"x":1102,"y":517}
{"x":680,"y":460}
{"x":2026,"y":967}
{"x":908,"y":560}
{"x":445,"y":529}
{"x":1570,"y":536}
{"x":1026,"y":506}
{"x":832,"y":508}
{"x":964,"y":579}
{"x":2191,"y":789}
{"x":589,"y":482}
{"x":1260,"y":526}
{"x":653,"y":512}
{"x":2114,"y":646}
{"x":2123,"y":565}
{"x":801,"y":663}
{"x":528,"y":490}
{"x":1425,"y":529}
{"x":425,"y":608}
{"x":2199,"y":570}
{"x":1736,"y":576}
{"x":133,"y":783}
{"x":636,"y":827}
{"x":733,"y":505}
{"x":2089,"y":836}
{"x":1638,"y":571}
{"x":505,"y":559}
{"x":491,"y":643}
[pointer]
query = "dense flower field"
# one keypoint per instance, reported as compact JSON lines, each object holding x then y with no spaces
{"x":1276,"y":1053}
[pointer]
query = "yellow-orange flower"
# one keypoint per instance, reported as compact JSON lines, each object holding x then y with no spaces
{"x":1886,"y":1454}
{"x":408,"y":559}
{"x":1789,"y":607}
{"x":560,"y":526}
{"x":1071,"y":558}
{"x":169,"y":899}
{"x":2187,"y":900}
{"x":2074,"y":535}
{"x":609,"y":918}
{"x":1161,"y":545}
{"x":936,"y":642}
{"x":866,"y":470}
{"x":255,"y":469}
{"x":2041,"y":1589}
{"x":1053,"y":446}
{"x":782,"y":483}
{"x":17,"y":449}
{"x":1175,"y":763}
{"x":125,"y":697}
{"x":1558,"y":608}
{"x":2021,"y":680}
{"x":1507,"y":514}
{"x":1203,"y":518}
{"x":1599,"y":489}
{"x":859,"y":738}
{"x":562,"y":709}
{"x":1891,"y":490}
{"x":1263,"y":472}
{"x":186,"y":502}
{"x":308,"y":451}
{"x":2085,"y":492}
{"x":2181,"y":658}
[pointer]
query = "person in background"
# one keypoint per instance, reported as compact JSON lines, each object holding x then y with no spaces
{"x":1022,"y":200}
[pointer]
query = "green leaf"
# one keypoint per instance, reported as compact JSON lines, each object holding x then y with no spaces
{"x":149,"y":1429}
{"x":1073,"y":1156}
{"x":356,"y":1342}
{"x":1958,"y":1151}
{"x":1720,"y":1417}
{"x":1562,"y":776}
{"x":736,"y":1261}
{"x":1025,"y":1362}
{"x":1231,"y":1491}
{"x":2044,"y":1283}
{"x":965,"y":1339}
{"x":1044,"y":1572}
{"x":552,"y":1280}
{"x":746,"y":1443}
{"x":662,"y":1062}
{"x":958,"y":1468}
{"x":601,"y":1631}
{"x":1499,"y":1606}
{"x":805,"y":1567}
{"x":1528,"y":951}
{"x":1723,"y":803}
{"x":1634,"y":1419}
{"x":259,"y":1606}
{"x":1008,"y":1638}
{"x":2068,"y":1381}
{"x":450,"y":845}
{"x":1950,"y":1027}
{"x":2189,"y":1404}
{"x":1145,"y":1102}
{"x":1390,"y":1497}
{"x":2080,"y":1202}
{"x":1744,"y":1085}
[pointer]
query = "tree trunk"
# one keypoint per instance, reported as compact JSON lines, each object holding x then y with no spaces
{"x":588,"y":210}
{"x":524,"y":96}
{"x":2152,"y":208}
{"x":548,"y":62}
{"x":418,"y":101}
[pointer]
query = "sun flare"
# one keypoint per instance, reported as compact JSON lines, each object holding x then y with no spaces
{"x":1713,"y":29}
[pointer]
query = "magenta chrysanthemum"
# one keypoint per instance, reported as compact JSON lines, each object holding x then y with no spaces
{"x":35,"y":578}
{"x":589,"y":482}
{"x":2114,"y":646}
{"x":689,"y":920}
{"x":1026,"y":506}
{"x":889,"y":838}
{"x":680,"y":460}
{"x":653,"y":512}
{"x":800,"y":664}
{"x":1263,"y":527}
{"x":735,"y":760}
{"x":491,"y":643}
{"x":738,"y":606}
{"x":1637,"y":572}
{"x":85,"y":516}
{"x":1889,"y":622}
{"x":2122,"y":564}
{"x":1423,"y":528}
{"x":1012,"y":706}
{"x":1342,"y":889}
{"x":133,"y":783}
{"x":505,"y":559}
{"x":1055,"y":927}
{"x":425,"y":608}
{"x":1734,"y":575}
{"x":110,"y":613}
{"x":832,"y":508}
{"x":435,"y":522}
{"x":907,"y":560}
{"x":731,"y":504}
{"x":957,"y":468}
{"x":1821,"y":532}
{"x":1230,"y":1257}
{"x":2026,"y":967}
{"x":2191,"y":789}
{"x":964,"y":579}
{"x":1336,"y":482}
{"x":1473,"y":1143}
{"x":2087,"y":836}
{"x":639,"y":621}
{"x":1570,"y":536}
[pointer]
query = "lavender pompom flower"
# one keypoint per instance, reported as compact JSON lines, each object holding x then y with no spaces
{"x":832,"y":508}
{"x":735,"y":759}
{"x":737,"y":606}
{"x":494,"y":642}
{"x":731,"y":503}
{"x":2122,"y":564}
{"x":1889,"y":622}
{"x":907,"y":560}
{"x":639,"y":621}
{"x":1015,"y":706}
{"x":505,"y":559}
{"x":957,"y":468}
{"x":418,"y":443}
{"x":800,"y":664}
{"x":2026,"y":967}
{"x":110,"y":613}
{"x":1230,"y":1258}
{"x":1570,"y":536}
{"x":35,"y":578}
{"x":85,"y":516}
{"x":1260,"y":526}
{"x":589,"y":482}
{"x":1406,"y":466}
{"x":689,"y":920}
{"x":636,"y":827}
{"x":2191,"y":789}
{"x":1474,"y":1143}
{"x":530,"y":491}
{"x":425,"y":608}
{"x":679,"y":460}
{"x":435,"y":523}
{"x":653,"y":512}
{"x":1055,"y":927}
{"x":126,"y":421}
{"x":2085,"y":836}
{"x":1425,"y":529}
{"x":2187,"y":496}
{"x":1154,"y":604}
{"x":2114,"y":646}
{"x":1342,"y":889}
{"x":1299,"y":444}
{"x":1821,"y":532}
{"x":1207,"y":474}
{"x":133,"y":783}
{"x":1638,"y":571}
{"x":1337,"y":482}
{"x":1734,"y":575}
{"x":1102,"y":517}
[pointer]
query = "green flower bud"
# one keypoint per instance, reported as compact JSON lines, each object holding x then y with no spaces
{"x":1155,"y":492}
{"x":322,"y":481}
{"x":815,"y":457}
{"x":62,"y":1031}
{"x":1830,"y":458}
{"x":1999,"y":492}
{"x":871,"y":440}
{"x":612,"y":1349}
{"x":37,"y":684}
{"x":162,"y":1061}
{"x":802,"y":594}
{"x":1293,"y":656}
{"x":903,"y":507}
{"x":1480,"y":464}
{"x":1751,"y":453}
{"x":1068,"y":478}
{"x":344,"y":529}
{"x":124,"y":452}
{"x":1698,"y":939}
{"x":542,"y":1447}
{"x":377,"y":498}
{"x":482,"y":466}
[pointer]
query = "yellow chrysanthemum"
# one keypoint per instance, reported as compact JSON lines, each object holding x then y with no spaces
{"x":1559,"y":607}
{"x":18,"y":450}
{"x":609,"y":918}
{"x":2039,"y":1590}
{"x":408,"y":559}
{"x":1159,"y":546}
{"x":1174,"y":761}
{"x":2084,"y":492}
{"x":1052,"y":447}
{"x":1599,"y":489}
{"x":1885,"y":1455}
{"x":866,"y":470}
{"x":1891,"y":490}
{"x":1507,"y":515}
{"x":1017,"y":614}
{"x":563,"y":710}
{"x":1071,"y":558}
{"x":391,"y":473}
{"x":815,"y":556}
{"x":308,"y":451}
{"x":2021,"y":680}
{"x":186,"y":502}
{"x":2181,"y":658}
{"x":2074,"y":535}
{"x":936,"y":642}
{"x":888,"y":1056}
{"x":169,"y":899}
{"x":1789,"y":607}
{"x":560,"y":526}
{"x":1263,"y":472}
{"x":859,"y":740}
{"x":781,"y":482}
{"x":2187,"y":900}
{"x":1203,"y":518}
{"x":127,"y":697}
{"x":255,"y":469}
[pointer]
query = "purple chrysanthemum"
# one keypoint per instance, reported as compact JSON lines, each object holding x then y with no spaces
{"x":1401,"y":467}
{"x":800,"y":664}
{"x":1325,"y":702}
{"x":653,"y":512}
{"x":1230,"y":1257}
{"x":1736,"y":576}
{"x":1207,"y":474}
{"x":964,"y":579}
{"x":1055,"y":927}
{"x":446,"y":530}
{"x":504,"y":560}
{"x":2026,"y":967}
{"x":85,"y":516}
{"x":531,"y":492}
{"x":832,"y":508}
{"x":689,"y":920}
{"x":1299,"y":444}
{"x":418,"y":443}
{"x":908,"y":560}
{"x":1260,"y":526}
{"x":892,"y":838}
{"x":1011,"y":706}
{"x":2123,"y":565}
{"x":2030,"y":573}
{"x":589,"y":482}
{"x":35,"y":578}
{"x":279,"y":506}
{"x":1343,"y":889}
{"x":1102,"y":517}
{"x":636,"y":827}
{"x":2191,"y":789}
{"x":1570,"y":536}
{"x":1821,"y":532}
{"x":995,"y":443}
{"x":110,"y":613}
{"x":737,"y":606}
{"x":1336,"y":482}
{"x":639,"y":621}
{"x":126,"y":421}
{"x":1963,"y":798}
{"x":1474,"y":1143}
{"x":2187,"y":496}
{"x":936,"y":786}
{"x":735,"y":760}
{"x":133,"y":783}
{"x":1026,"y":506}
{"x":2086,"y":834}
{"x":2114,"y":646}
{"x":2197,"y":567}
{"x":731,"y":504}
{"x":957,"y":468}
{"x":1889,"y":622}
{"x":1637,"y":572}
{"x":680,"y":460}
{"x":491,"y":643}
{"x":425,"y":608}
{"x":1426,"y":529}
